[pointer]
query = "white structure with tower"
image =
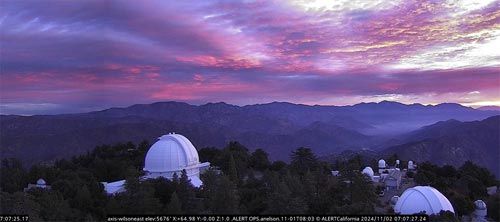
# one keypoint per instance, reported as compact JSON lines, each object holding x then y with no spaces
{"x":170,"y":155}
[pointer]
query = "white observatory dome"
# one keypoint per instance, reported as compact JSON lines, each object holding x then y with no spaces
{"x":422,"y":198}
{"x":394,"y":200}
{"x":170,"y":155}
{"x":172,"y":152}
{"x":368,"y":171}
{"x":480,"y":205}
{"x":481,"y":210}
{"x":41,"y":182}
{"x":411,"y":165}
{"x":381,"y":163}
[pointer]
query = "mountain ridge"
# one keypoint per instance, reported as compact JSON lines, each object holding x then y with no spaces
{"x":384,"y":102}
{"x":453,"y":142}
{"x":277,"y":127}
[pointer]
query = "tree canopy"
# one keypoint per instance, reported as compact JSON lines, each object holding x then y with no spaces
{"x":240,"y":182}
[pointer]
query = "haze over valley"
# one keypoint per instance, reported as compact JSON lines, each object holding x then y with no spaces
{"x":442,"y":134}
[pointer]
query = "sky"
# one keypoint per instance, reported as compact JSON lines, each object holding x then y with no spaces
{"x":79,"y":56}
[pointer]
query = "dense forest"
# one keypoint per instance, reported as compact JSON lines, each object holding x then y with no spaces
{"x":240,"y":182}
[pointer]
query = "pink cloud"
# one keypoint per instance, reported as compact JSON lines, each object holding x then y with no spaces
{"x":245,"y":51}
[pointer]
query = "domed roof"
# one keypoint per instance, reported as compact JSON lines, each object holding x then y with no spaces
{"x":172,"y":152}
{"x":480,"y":205}
{"x":368,"y":171}
{"x":41,"y":182}
{"x":394,"y":199}
{"x":422,"y":198}
{"x":410,"y":162}
{"x":381,"y":163}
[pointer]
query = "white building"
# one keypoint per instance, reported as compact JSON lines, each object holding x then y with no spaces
{"x":393,"y":180}
{"x":492,"y":190}
{"x":171,"y":154}
{"x":335,"y":173}
{"x":422,"y":199}
{"x":40,"y":183}
{"x":394,"y":200}
{"x":480,"y":210}
{"x":114,"y":187}
{"x":368,"y":171}
{"x":381,"y":166}
{"x":411,"y":166}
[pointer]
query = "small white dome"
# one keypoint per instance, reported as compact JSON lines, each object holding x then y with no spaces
{"x":481,"y":211}
{"x":368,"y":171}
{"x":381,"y":163}
{"x":422,"y":198}
{"x":41,"y":182}
{"x":397,"y":161}
{"x":410,"y":165}
{"x":172,"y":152}
{"x":394,"y":200}
{"x":480,"y":205}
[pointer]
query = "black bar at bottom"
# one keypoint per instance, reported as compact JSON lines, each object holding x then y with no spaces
{"x":268,"y":218}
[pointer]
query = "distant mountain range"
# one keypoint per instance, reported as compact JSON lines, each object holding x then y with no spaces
{"x":490,"y":108}
{"x":276,"y":127}
{"x":453,"y":142}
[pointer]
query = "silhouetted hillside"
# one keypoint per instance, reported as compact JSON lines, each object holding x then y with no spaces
{"x":489,"y":108}
{"x":453,"y":142}
{"x":275,"y":127}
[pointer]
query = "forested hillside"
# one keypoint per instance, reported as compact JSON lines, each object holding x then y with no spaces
{"x":242,"y":182}
{"x":453,"y":142}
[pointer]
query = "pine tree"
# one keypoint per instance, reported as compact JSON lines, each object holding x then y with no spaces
{"x":220,"y":194}
{"x":281,"y":201}
{"x":113,"y":207}
{"x":187,"y":196}
{"x":174,"y":206}
{"x":233,"y":173}
{"x":20,"y":203}
{"x":226,"y":197}
{"x":252,"y":195}
{"x":14,"y":177}
{"x":303,"y":160}
{"x":83,"y":200}
{"x":259,"y":160}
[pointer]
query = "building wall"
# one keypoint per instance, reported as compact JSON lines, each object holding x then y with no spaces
{"x":393,"y":183}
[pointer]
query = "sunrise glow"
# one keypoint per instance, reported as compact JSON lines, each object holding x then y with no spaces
{"x":77,"y":56}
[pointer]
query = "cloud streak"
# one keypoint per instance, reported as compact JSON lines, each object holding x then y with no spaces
{"x":83,"y":55}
